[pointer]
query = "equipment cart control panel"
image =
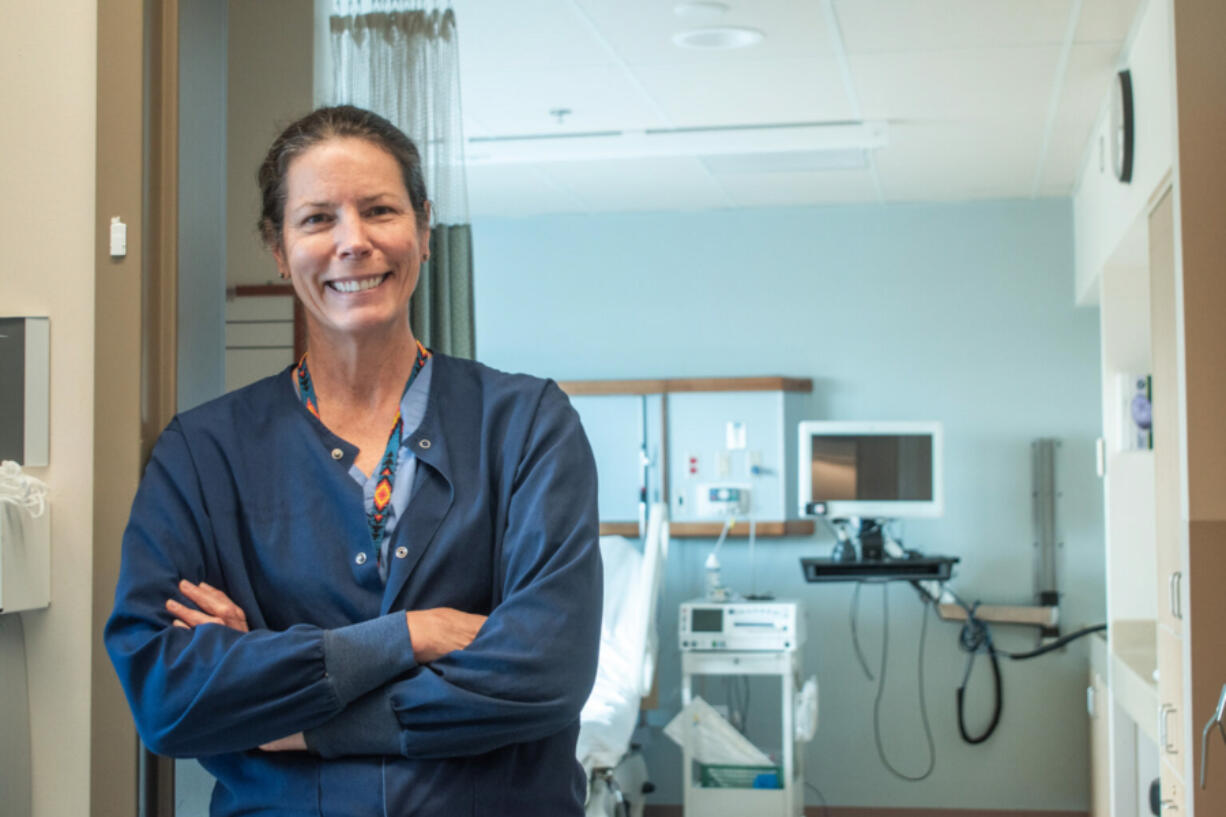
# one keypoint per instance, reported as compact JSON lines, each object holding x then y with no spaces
{"x":741,"y":626}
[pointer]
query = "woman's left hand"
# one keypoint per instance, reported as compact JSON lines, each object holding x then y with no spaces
{"x":215,"y":608}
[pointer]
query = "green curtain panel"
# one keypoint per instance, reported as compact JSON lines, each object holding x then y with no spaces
{"x":441,"y":311}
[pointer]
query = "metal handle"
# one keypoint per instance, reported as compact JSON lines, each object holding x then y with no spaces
{"x":1170,"y":805}
{"x":1163,"y":734}
{"x":1214,"y":720}
{"x":1090,"y":701}
{"x":1175,"y":594}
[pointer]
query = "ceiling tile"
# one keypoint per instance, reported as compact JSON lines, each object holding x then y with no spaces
{"x":1086,"y":85}
{"x":1088,"y":77}
{"x":966,"y":85}
{"x":799,"y":189}
{"x":494,"y":36}
{"x":519,"y":100}
{"x":981,"y":159}
{"x":955,"y":85}
{"x":765,"y":92}
{"x":641,"y":31}
{"x":1106,"y":20}
{"x":517,"y":190}
{"x":876,"y":26}
{"x":639,"y":184}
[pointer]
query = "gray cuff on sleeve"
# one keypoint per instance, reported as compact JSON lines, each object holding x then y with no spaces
{"x":365,"y":656}
{"x":368,"y":726}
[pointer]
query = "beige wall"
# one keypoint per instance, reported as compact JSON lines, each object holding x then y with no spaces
{"x":271,"y":77}
{"x":47,"y":226}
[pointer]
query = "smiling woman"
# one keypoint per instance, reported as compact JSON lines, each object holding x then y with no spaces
{"x":339,"y":618}
{"x":351,"y":244}
{"x":346,"y":216}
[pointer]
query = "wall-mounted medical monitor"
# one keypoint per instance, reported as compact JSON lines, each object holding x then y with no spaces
{"x":889,"y":470}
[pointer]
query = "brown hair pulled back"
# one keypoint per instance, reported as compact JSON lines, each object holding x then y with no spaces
{"x":320,"y":125}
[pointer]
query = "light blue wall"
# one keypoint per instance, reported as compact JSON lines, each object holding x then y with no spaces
{"x":961,"y":313}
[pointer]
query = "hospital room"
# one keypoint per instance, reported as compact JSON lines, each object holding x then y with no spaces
{"x":861,"y":453}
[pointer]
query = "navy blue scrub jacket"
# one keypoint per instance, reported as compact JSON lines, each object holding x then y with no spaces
{"x":245,"y":493}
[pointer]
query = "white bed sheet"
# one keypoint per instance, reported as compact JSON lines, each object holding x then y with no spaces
{"x":628,"y":641}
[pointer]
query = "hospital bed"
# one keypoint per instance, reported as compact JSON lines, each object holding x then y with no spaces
{"x":616,"y":773}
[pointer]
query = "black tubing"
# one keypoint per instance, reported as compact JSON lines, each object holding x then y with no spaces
{"x":987,"y":733}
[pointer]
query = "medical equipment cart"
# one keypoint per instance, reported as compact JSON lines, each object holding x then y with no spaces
{"x":783,"y":661}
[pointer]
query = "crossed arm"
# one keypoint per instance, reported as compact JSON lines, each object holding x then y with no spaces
{"x":435,"y":633}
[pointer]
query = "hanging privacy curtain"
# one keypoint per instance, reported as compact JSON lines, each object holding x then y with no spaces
{"x":400,"y":59}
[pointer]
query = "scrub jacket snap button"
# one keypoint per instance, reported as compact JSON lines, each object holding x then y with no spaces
{"x":401,"y":552}
{"x":423,"y":444}
{"x":337,"y":453}
{"x":360,"y":558}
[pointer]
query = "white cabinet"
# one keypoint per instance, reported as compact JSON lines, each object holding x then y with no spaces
{"x":1163,"y":302}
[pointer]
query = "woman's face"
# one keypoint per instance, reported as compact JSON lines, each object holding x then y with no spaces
{"x":350,"y":245}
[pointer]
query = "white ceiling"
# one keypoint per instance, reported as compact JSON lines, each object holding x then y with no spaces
{"x":982,"y":98}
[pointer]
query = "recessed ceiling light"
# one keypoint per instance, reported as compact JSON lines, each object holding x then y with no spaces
{"x":718,"y":37}
{"x":704,"y":11}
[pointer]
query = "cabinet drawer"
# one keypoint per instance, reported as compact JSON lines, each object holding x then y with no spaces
{"x":1174,"y":803}
{"x":1171,"y":743}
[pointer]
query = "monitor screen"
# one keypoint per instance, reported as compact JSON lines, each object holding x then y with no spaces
{"x":877,"y":467}
{"x":706,"y":620}
{"x":885,"y":470}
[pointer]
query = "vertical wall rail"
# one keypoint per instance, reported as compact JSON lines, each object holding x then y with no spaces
{"x":1043,"y":501}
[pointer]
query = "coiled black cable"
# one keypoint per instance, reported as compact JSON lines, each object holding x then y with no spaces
{"x":1054,"y":645}
{"x":975,"y":638}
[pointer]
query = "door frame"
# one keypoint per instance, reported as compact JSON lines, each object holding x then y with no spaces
{"x":134,"y":350}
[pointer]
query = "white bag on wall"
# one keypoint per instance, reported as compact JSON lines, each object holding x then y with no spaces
{"x":25,"y":541}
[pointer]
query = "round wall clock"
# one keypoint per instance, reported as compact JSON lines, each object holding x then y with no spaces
{"x":1122,"y":129}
